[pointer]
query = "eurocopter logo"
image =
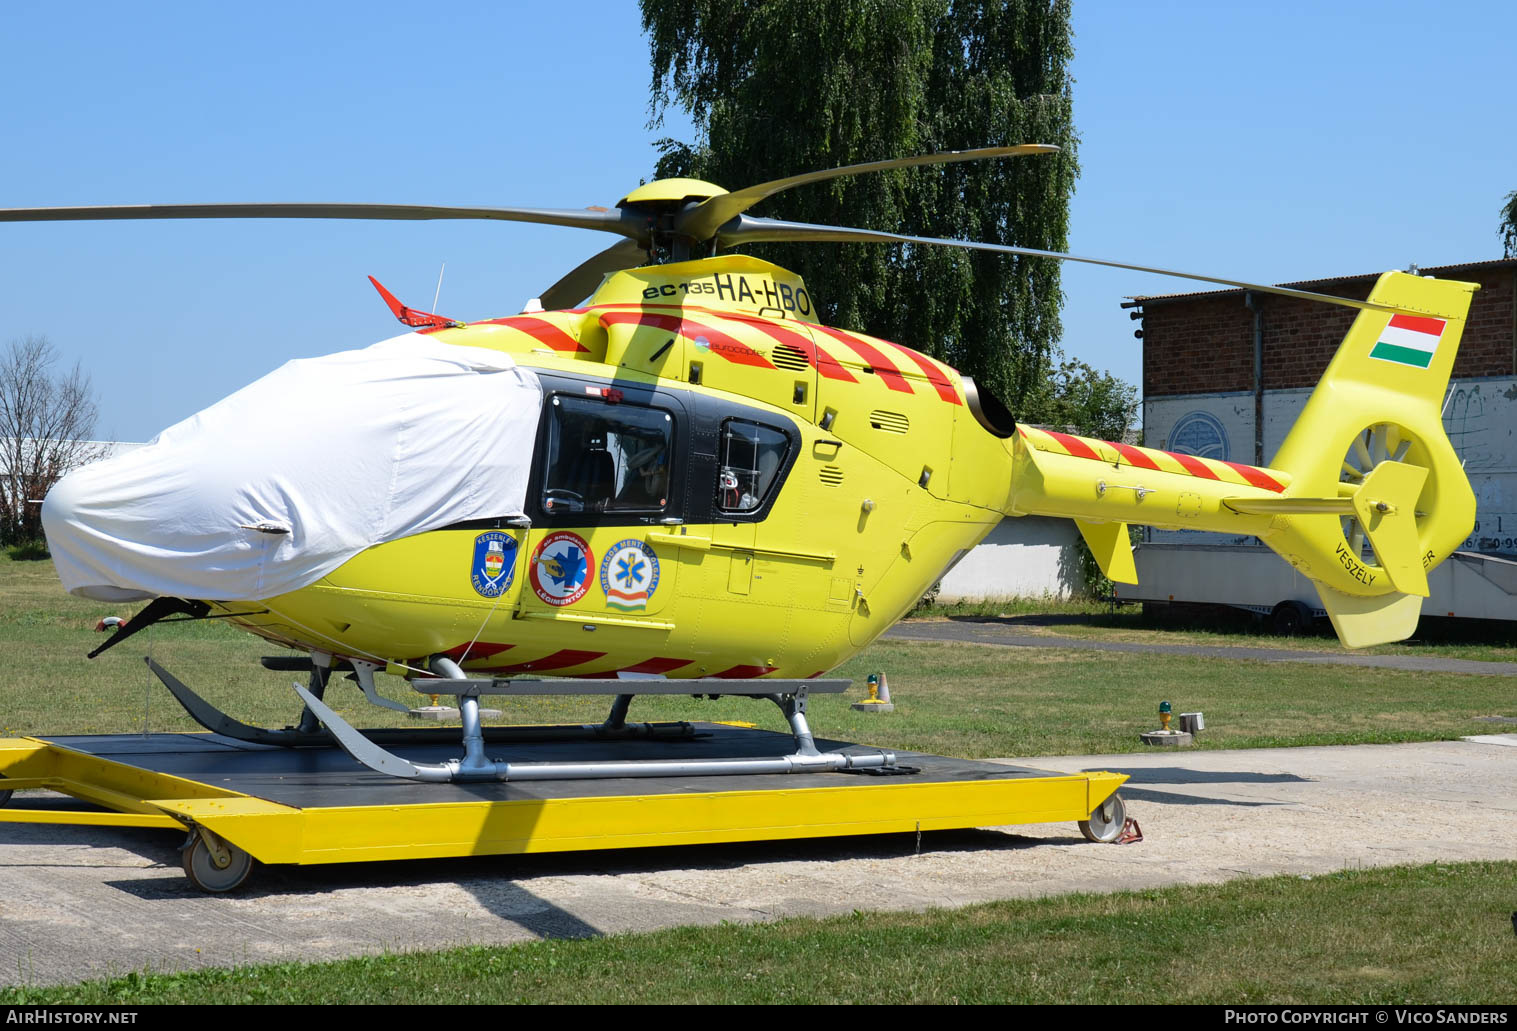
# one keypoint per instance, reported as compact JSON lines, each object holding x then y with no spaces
{"x":494,"y":564}
{"x":560,"y":571}
{"x":629,"y":575}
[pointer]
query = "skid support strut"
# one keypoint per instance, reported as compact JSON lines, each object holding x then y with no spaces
{"x":218,"y":722}
{"x":321,"y":669}
{"x":789,"y":695}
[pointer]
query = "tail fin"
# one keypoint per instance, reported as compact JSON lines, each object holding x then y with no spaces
{"x":1365,"y":496}
{"x":1372,"y":435}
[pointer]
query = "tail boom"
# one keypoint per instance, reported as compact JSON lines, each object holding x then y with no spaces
{"x":1365,"y":495}
{"x":1100,"y":482}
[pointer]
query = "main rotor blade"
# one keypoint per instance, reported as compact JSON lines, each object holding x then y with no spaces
{"x":702,"y":221}
{"x":583,"y":280}
{"x":745,"y":229}
{"x":622,"y":223}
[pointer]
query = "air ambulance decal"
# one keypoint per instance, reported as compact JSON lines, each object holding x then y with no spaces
{"x":1409,"y":340}
{"x":561,"y":568}
{"x":629,"y":575}
{"x":494,"y":565}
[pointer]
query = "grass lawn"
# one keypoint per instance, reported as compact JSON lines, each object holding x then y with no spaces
{"x":1477,"y":640}
{"x":1434,"y":934}
{"x":968,"y":700}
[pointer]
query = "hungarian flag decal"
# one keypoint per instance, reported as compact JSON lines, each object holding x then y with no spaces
{"x":1409,"y":340}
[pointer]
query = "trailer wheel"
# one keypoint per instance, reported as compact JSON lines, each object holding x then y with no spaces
{"x":1290,"y":619}
{"x":201,"y":868}
{"x":1105,"y":824}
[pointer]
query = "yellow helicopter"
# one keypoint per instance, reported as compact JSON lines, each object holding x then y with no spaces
{"x":687,"y":477}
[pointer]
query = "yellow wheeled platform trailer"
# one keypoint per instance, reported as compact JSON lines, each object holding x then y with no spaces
{"x":242,"y":802}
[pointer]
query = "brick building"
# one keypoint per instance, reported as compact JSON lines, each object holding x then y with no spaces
{"x":1225,"y":375}
{"x":1231,"y":342}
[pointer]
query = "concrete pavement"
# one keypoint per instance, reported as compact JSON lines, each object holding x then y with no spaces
{"x":82,"y":903}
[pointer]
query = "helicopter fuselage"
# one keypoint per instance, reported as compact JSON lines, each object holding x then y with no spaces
{"x":721,"y":487}
{"x":704,"y":481}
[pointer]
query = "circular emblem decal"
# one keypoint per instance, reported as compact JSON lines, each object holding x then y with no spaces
{"x":629,"y":575}
{"x":494,"y":565}
{"x":1200,"y":434}
{"x":561,"y":568}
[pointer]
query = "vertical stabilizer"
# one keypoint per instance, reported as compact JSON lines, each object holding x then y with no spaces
{"x":1365,"y":496}
{"x":1372,"y":432}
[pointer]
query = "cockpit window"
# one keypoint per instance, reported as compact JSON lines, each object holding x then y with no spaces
{"x":751,"y":457}
{"x":607,"y":457}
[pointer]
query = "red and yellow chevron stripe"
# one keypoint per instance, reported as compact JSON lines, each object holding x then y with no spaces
{"x":1152,"y":458}
{"x":829,"y":350}
{"x":555,"y":330}
{"x":739,"y":338}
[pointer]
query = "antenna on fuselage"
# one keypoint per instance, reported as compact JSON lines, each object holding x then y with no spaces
{"x":438,"y":292}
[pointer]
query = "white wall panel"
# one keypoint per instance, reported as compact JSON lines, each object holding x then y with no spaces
{"x":1030,"y":556}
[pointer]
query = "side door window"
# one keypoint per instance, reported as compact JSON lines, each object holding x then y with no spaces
{"x":608,"y":470}
{"x":607,"y":462}
{"x":750,"y":458}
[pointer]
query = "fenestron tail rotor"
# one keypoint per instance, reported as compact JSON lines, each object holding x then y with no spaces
{"x":1379,"y":443}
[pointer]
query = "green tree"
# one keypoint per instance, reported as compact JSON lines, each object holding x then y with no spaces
{"x":777,"y":87}
{"x":46,"y":420}
{"x":1508,"y":227}
{"x":1077,"y":398}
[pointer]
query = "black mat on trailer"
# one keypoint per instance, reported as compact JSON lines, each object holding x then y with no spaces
{"x":308,"y":778}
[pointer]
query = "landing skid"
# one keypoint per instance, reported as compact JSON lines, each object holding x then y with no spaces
{"x":789,"y":695}
{"x":218,"y":722}
{"x":368,"y":747}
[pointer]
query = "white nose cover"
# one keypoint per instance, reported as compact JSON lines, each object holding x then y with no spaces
{"x":343,"y":452}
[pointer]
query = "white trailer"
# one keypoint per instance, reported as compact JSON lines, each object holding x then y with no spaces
{"x":1477,"y":582}
{"x":1469,"y":585}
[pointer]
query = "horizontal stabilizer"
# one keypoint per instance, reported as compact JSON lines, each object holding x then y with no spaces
{"x":1291,"y":506}
{"x":1362,"y":622}
{"x":1112,"y":547}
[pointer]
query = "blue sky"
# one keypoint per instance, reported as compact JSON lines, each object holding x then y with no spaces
{"x":1271,"y":141}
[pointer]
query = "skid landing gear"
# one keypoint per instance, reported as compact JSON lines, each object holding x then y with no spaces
{"x":309,"y":732}
{"x":789,"y":695}
{"x":368,"y":746}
